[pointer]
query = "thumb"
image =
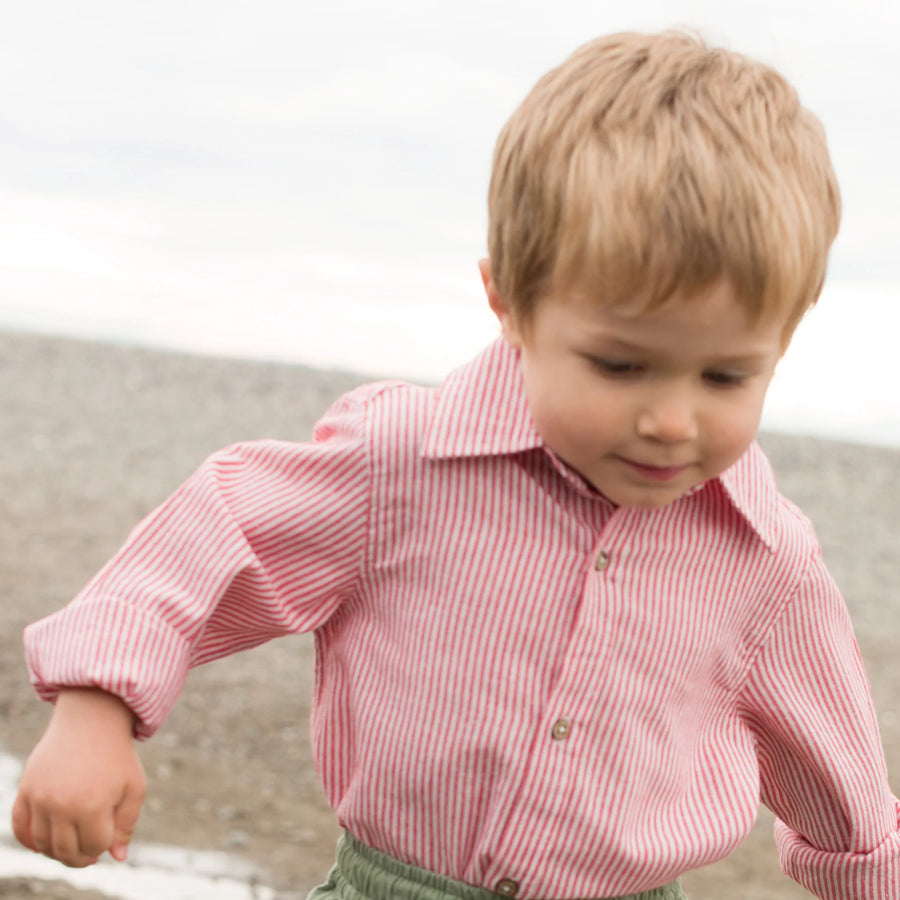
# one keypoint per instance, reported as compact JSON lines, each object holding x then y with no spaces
{"x":21,"y":823}
{"x":125,"y":820}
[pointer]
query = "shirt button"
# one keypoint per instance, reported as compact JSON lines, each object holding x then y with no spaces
{"x":602,"y":560}
{"x":561,"y":730}
{"x":506,"y":887}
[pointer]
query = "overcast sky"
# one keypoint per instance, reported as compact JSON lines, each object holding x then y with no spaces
{"x":307,"y":181}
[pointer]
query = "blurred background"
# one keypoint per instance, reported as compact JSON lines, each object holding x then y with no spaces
{"x":306,"y":182}
{"x":285,"y":181}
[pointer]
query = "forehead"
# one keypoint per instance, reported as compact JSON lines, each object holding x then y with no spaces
{"x":711,"y":320}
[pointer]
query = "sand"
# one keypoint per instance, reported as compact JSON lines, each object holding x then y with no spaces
{"x":93,"y":436}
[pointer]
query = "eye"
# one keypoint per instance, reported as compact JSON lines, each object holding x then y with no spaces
{"x":617,"y":368}
{"x":722,"y":378}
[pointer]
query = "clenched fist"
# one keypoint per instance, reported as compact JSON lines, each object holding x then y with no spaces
{"x":83,"y":785}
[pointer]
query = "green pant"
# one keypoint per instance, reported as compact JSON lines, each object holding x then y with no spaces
{"x":362,"y":873}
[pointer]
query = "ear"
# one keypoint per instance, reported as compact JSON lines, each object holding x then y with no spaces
{"x":500,"y":307}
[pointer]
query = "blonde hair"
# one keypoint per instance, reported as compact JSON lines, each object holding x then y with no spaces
{"x":646,"y":164}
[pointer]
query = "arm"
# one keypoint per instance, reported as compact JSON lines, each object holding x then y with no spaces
{"x":265,"y":539}
{"x":822,"y":767}
{"x":83,"y":785}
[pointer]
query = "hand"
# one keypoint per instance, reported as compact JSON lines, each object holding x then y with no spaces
{"x":83,"y":785}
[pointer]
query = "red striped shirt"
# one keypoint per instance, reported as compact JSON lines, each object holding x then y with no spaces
{"x":516,"y":680}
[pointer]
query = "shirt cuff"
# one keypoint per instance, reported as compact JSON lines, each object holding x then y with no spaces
{"x":145,"y":664}
{"x":841,"y":876}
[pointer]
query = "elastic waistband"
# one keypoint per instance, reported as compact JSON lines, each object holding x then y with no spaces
{"x":363,"y":873}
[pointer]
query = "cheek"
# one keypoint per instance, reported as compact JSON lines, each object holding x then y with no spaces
{"x":732,"y":430}
{"x":564,"y":414}
{"x":579,"y":424}
{"x":552,"y":414}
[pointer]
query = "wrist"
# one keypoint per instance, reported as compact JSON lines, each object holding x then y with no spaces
{"x":93,"y":707}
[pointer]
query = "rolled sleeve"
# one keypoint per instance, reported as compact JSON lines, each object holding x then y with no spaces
{"x":843,"y":875}
{"x":265,"y":539}
{"x":822,"y":766}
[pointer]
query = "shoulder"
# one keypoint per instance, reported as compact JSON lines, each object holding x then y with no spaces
{"x":378,"y":413}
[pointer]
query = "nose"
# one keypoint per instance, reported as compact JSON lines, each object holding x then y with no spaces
{"x":668,"y":417}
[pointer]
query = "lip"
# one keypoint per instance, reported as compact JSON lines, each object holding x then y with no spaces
{"x":654,"y":473}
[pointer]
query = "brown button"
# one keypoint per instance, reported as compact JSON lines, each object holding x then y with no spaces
{"x":506,"y":887}
{"x":602,"y":560}
{"x":561,"y":730}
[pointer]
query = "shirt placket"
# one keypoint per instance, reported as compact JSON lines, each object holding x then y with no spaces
{"x":563,"y":733}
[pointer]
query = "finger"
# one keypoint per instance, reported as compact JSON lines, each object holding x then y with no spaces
{"x":95,"y":836}
{"x":125,"y":821}
{"x":90,"y":844}
{"x":64,"y":844}
{"x":40,"y":832}
{"x":21,"y":823}
{"x":54,"y":837}
{"x":58,"y":840}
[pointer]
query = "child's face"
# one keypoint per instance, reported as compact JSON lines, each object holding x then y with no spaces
{"x":645,"y":405}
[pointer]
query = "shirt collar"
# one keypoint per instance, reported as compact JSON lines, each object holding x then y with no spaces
{"x":750,"y":486}
{"x":481,"y":410}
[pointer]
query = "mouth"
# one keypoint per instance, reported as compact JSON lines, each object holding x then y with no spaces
{"x":654,"y":473}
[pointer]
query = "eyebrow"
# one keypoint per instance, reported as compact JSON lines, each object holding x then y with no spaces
{"x":617,"y":345}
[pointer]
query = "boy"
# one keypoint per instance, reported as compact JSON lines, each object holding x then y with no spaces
{"x":568,"y":633}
